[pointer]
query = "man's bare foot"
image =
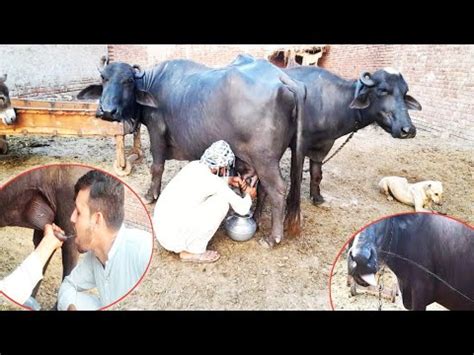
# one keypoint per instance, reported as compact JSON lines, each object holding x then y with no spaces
{"x":209,"y":256}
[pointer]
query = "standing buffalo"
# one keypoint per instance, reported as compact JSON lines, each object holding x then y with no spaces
{"x":39,"y":197}
{"x":431,"y":255}
{"x":335,"y":107}
{"x":7,"y":113}
{"x":187,"y":106}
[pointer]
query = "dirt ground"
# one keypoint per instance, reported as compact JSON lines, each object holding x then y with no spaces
{"x":295,"y":274}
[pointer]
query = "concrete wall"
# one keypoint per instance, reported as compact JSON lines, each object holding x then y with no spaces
{"x":43,"y":69}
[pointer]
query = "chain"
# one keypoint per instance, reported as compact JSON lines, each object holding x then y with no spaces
{"x":338,"y":149}
{"x":356,"y":128}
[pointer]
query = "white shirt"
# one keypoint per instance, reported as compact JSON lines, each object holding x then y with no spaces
{"x":191,"y":187}
{"x":178,"y":212}
{"x":127,"y":261}
{"x":20,"y":283}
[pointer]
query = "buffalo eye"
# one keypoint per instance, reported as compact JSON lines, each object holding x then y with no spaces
{"x":382,"y":92}
{"x":129,"y":81}
{"x":104,"y":79}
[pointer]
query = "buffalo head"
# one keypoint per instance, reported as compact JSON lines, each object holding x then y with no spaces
{"x":118,"y":92}
{"x":363,"y":260}
{"x":383,"y":95}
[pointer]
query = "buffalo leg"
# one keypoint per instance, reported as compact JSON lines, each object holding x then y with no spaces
{"x":316,"y":177}
{"x":137,"y":144}
{"x":316,"y":156}
{"x":421,"y":295}
{"x":261,"y":197}
{"x":158,"y":152}
{"x":3,"y":144}
{"x":275,"y":186}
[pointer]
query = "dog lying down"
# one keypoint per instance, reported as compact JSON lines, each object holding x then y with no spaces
{"x":421,"y":194}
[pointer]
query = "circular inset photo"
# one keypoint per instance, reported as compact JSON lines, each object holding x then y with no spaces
{"x":411,"y":261}
{"x":73,"y":238}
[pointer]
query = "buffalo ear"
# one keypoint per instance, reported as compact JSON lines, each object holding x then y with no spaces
{"x":362,"y":99}
{"x":360,"y":102}
{"x":138,"y":73}
{"x":104,"y":61}
{"x":411,"y":103}
{"x":3,"y":78}
{"x":90,"y":92}
{"x":145,"y":98}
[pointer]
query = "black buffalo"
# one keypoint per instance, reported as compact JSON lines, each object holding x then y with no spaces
{"x":431,"y":255}
{"x":335,"y":107}
{"x":40,"y":197}
{"x":187,"y":106}
{"x":7,"y":113}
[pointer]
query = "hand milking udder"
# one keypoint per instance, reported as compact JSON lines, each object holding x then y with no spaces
{"x":60,"y":234}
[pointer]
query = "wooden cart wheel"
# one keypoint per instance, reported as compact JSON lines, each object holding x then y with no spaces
{"x":123,"y":171}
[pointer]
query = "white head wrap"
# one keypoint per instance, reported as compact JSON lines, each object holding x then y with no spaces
{"x":219,"y":154}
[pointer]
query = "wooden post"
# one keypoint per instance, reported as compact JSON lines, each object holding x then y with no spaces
{"x":120,"y":151}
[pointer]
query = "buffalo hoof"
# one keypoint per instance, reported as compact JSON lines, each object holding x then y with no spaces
{"x":267,"y":242}
{"x":317,"y":200}
{"x":148,"y":199}
{"x":139,"y":154}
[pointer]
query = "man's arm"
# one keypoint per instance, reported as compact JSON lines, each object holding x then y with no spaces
{"x":241,"y":205}
{"x":80,"y":279}
{"x":20,"y":283}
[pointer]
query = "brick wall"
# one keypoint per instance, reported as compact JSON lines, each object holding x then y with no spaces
{"x":440,"y":77}
{"x":214,"y":56}
{"x":35,"y":70}
{"x":132,"y":54}
{"x":211,"y":55}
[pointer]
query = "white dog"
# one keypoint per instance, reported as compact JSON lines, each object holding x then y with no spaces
{"x":420,"y":195}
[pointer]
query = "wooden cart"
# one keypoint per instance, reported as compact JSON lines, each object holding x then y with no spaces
{"x":71,"y":118}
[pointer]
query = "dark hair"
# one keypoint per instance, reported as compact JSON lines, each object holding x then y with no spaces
{"x":106,"y":196}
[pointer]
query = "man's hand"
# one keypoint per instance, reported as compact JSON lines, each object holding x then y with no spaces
{"x":252,"y":191}
{"x":50,"y":236}
{"x":235,"y":181}
{"x":48,"y":244}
